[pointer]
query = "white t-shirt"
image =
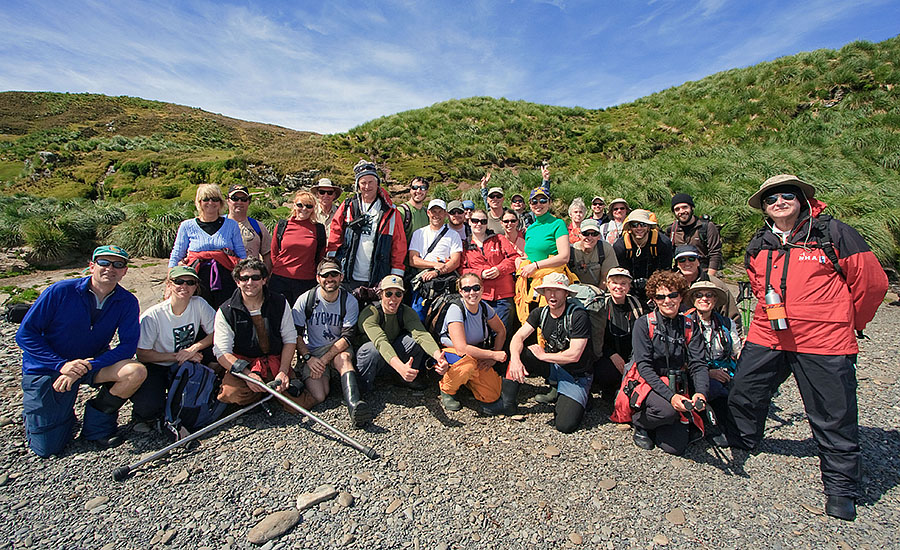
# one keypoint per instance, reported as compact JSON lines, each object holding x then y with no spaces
{"x":472,"y":324}
{"x":165,"y":332}
{"x":223,"y":341}
{"x":367,"y":240}
{"x":323,"y":327}
{"x":447,"y":245}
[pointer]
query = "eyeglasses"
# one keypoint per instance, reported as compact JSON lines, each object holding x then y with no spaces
{"x":478,"y":220}
{"x":638,"y":224}
{"x":671,"y":295}
{"x":456,"y":212}
{"x":330,"y":274}
{"x":245,"y":278}
{"x":542,"y":200}
{"x":510,"y":221}
{"x":211,"y":199}
{"x":103,"y":262}
{"x":473,"y":288}
{"x":240,"y":199}
{"x":329,"y":192}
{"x":419,"y":187}
{"x":303,"y":205}
{"x":495,"y":196}
{"x":392,"y":293}
{"x":188,"y":282}
{"x":590,"y":234}
{"x":686,"y":259}
{"x":706,"y":294}
{"x":772,"y":199}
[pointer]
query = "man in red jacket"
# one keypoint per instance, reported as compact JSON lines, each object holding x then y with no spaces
{"x":367,"y":237}
{"x":816,"y":282}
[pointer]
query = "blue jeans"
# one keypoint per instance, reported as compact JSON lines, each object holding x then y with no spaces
{"x":369,"y":362}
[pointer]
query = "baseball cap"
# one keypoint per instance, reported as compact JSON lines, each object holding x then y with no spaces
{"x":437,"y":202}
{"x":182,"y":271}
{"x":391,"y":281}
{"x":238,"y":189}
{"x":110,"y":250}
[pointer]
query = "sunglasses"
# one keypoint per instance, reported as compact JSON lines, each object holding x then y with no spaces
{"x":307,"y":206}
{"x":686,"y":259}
{"x":118,"y":264}
{"x":240,"y":199}
{"x":419,"y":188}
{"x":456,"y":212}
{"x":617,"y":208}
{"x":639,"y":224}
{"x":514,"y":201}
{"x":330,"y":274}
{"x":542,"y":200}
{"x":478,"y":220}
{"x":590,"y":234}
{"x":188,"y":282}
{"x":324,"y":192}
{"x":245,"y":278}
{"x":708,"y":294}
{"x":510,"y":221}
{"x":392,"y":293}
{"x":211,"y":199}
{"x":598,"y":204}
{"x":772,"y":199}
{"x":671,"y":295}
{"x":495,"y":196}
{"x":473,"y":288}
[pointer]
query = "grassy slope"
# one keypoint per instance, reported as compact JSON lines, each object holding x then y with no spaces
{"x":831,"y":117}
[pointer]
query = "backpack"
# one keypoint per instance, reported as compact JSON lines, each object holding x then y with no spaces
{"x":281,"y":227}
{"x":437,"y":313}
{"x":702,"y":226}
{"x":601,"y":255}
{"x":572,"y":305}
{"x":595,"y":303}
{"x":652,"y":244}
{"x":407,"y":216}
{"x":191,"y":403}
{"x":16,"y":312}
{"x":380,"y":309}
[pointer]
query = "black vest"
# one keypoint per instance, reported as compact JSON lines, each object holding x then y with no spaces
{"x":246,"y":342}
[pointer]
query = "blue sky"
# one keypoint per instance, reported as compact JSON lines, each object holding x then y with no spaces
{"x":329,"y":65}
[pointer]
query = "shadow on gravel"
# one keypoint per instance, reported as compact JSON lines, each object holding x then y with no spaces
{"x":704,"y":453}
{"x":881,"y":462}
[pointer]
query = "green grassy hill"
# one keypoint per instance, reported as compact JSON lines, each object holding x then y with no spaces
{"x":830,"y":116}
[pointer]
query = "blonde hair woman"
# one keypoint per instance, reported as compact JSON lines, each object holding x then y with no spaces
{"x":298,"y":244}
{"x":211,"y":244}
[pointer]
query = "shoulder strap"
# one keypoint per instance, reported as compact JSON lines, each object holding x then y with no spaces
{"x":254,"y":223}
{"x":320,"y":240}
{"x":440,"y":236}
{"x":822,"y":222}
{"x":572,"y":262}
{"x":651,"y":323}
{"x":279,"y":232}
{"x":343,"y":296}
{"x":704,"y":228}
{"x":311,"y":300}
{"x":407,"y":216}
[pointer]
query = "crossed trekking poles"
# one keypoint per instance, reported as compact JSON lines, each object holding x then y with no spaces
{"x":122,"y":472}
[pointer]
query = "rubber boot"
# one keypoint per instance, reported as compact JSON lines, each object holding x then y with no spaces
{"x":359,"y":409}
{"x":101,"y":418}
{"x":549,"y":397}
{"x":509,"y":394}
{"x":450,"y":402}
{"x":841,"y":507}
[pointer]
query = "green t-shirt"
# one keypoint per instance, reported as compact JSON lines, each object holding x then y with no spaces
{"x":384,"y":335}
{"x":418,"y":218}
{"x":540,"y":238}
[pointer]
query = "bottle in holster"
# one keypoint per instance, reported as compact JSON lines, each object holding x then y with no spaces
{"x":775,"y":309}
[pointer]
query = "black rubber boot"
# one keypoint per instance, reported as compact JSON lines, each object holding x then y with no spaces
{"x":841,"y":507}
{"x":509,"y":394}
{"x":642,"y":439}
{"x":359,"y":409}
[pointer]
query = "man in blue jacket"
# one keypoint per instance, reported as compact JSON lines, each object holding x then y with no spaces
{"x":65,"y":339}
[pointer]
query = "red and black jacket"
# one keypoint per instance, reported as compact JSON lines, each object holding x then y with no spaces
{"x":827,"y":295}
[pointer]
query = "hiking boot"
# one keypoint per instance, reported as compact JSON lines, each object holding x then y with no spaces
{"x":841,"y":507}
{"x":493,"y":409}
{"x":359,"y":409}
{"x":449,"y":402}
{"x":549,"y":397}
{"x":642,"y":439}
{"x":108,"y":442}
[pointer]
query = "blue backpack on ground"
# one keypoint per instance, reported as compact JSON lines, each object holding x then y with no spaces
{"x":191,"y":403}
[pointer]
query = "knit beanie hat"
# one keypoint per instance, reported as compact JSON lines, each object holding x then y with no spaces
{"x":682,"y":198}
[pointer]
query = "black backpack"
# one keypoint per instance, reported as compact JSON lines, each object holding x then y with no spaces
{"x":321,"y":239}
{"x":16,"y":312}
{"x":437,"y":312}
{"x":191,"y":403}
{"x":312,"y":300}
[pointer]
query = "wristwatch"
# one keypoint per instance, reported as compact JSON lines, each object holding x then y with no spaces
{"x":305,"y":357}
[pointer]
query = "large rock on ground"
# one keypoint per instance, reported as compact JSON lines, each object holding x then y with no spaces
{"x":272,"y":526}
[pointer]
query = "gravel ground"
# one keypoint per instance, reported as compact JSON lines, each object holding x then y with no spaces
{"x":455,"y":480}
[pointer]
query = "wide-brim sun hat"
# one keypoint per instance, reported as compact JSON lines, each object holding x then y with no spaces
{"x":555,"y":281}
{"x":780,"y":180}
{"x":721,"y":296}
{"x":639,"y":215}
{"x":324,"y":183}
{"x":617,"y":201}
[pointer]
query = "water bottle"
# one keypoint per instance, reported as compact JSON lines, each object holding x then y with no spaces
{"x":775,"y":309}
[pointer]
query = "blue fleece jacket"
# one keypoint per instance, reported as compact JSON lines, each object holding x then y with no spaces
{"x":58,"y":328}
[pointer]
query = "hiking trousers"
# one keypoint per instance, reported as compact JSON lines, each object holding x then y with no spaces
{"x":484,"y":383}
{"x":827,"y":385}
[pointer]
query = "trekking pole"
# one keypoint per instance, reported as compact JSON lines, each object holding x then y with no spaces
{"x":370,"y":453}
{"x":123,"y":472}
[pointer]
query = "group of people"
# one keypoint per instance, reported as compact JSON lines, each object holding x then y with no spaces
{"x":350,"y":287}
